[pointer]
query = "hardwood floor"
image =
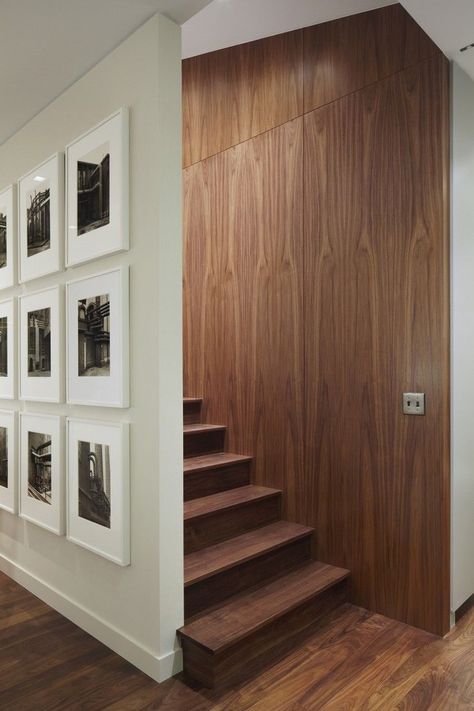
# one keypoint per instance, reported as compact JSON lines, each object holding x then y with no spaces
{"x":356,"y":661}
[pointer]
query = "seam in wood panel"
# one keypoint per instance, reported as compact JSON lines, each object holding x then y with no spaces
{"x":316,"y":108}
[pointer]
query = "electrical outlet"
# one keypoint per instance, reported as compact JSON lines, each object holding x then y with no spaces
{"x":414,"y":403}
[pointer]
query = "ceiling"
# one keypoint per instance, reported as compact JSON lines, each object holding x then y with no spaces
{"x":46,"y":45}
{"x":224,"y":23}
{"x":449,"y":24}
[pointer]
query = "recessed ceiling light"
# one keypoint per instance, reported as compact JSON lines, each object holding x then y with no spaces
{"x":39,"y":179}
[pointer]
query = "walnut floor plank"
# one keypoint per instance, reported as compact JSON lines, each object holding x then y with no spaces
{"x":355,"y":660}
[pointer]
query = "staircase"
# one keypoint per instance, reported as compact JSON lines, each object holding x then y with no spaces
{"x":250,"y":582}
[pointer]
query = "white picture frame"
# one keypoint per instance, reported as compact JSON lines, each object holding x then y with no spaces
{"x":97,"y":191}
{"x":98,"y":339}
{"x":41,"y":364}
{"x":42,"y":480}
{"x":8,"y":453}
{"x":41,"y":236}
{"x":7,"y":349}
{"x":8,"y":242}
{"x":98,"y":498}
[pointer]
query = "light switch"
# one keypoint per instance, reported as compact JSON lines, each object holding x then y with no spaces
{"x":414,"y":403}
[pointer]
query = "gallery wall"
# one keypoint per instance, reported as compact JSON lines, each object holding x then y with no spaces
{"x":316,"y":288}
{"x":134,"y":609}
{"x":462,"y":262}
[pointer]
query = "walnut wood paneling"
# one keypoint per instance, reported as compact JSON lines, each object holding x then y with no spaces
{"x":312,"y":303}
{"x":375,"y":481}
{"x":236,"y":93}
{"x":348,"y":54}
{"x":243,"y":295}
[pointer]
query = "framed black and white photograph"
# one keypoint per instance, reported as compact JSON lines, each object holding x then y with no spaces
{"x":42,"y":478}
{"x":7,"y":349}
{"x":98,"y":509}
{"x":7,"y":237}
{"x":41,"y":219}
{"x":97,"y":186}
{"x":41,"y":366}
{"x":8,"y":468}
{"x":97,"y":340}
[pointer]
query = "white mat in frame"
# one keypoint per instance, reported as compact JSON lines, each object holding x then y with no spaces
{"x":8,"y":242}
{"x":102,"y":152}
{"x":8,"y":349}
{"x":98,"y":510}
{"x":41,"y":219}
{"x":42,"y":481}
{"x":98,"y":339}
{"x":41,"y":345}
{"x":8,"y":461}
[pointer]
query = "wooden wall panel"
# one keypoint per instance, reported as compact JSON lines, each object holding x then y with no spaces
{"x":316,"y":288}
{"x":243,"y":294}
{"x":236,"y":93}
{"x":348,"y":54}
{"x":376,"y":325}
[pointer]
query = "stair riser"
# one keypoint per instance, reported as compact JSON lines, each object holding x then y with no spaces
{"x":259,"y":649}
{"x":203,"y":443}
{"x":192,"y":413}
{"x":213,"y":481}
{"x":216,"y":589}
{"x":227,"y":523}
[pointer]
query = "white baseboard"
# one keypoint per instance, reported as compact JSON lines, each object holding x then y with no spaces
{"x":158,"y":668}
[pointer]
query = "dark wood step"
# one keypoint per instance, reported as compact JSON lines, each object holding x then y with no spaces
{"x":217,"y":572}
{"x":220,"y":645}
{"x":203,"y":439}
{"x":212,"y":473}
{"x":192,"y":410}
{"x":215,"y":518}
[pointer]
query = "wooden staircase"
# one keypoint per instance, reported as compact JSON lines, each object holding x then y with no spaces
{"x":250,"y":582}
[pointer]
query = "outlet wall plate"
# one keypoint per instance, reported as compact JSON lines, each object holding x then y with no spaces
{"x":413,"y":403}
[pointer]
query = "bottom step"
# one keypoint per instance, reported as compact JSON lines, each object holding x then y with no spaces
{"x":218,"y":646}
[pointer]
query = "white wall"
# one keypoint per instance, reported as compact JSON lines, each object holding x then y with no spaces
{"x":462,"y":338}
{"x":134,"y":610}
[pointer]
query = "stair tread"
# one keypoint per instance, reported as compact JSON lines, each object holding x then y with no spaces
{"x":197,"y":427}
{"x":191,"y":400}
{"x":213,"y":461}
{"x":206,"y":505}
{"x":215,"y":559}
{"x":248,"y":612}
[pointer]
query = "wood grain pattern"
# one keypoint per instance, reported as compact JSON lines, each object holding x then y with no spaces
{"x":236,"y":93}
{"x":345,"y":55}
{"x":210,"y":474}
{"x":202,"y":439}
{"x":377,"y":324}
{"x":221,"y":516}
{"x":218,"y":572}
{"x":312,"y":303}
{"x":243,"y":298}
{"x":353,"y":660}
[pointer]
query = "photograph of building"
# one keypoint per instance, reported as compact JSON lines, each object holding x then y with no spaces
{"x":38,"y":221}
{"x":3,"y":347}
{"x":94,"y":482}
{"x":39,"y":343}
{"x":3,"y":239}
{"x":93,"y":190}
{"x":3,"y":457}
{"x":94,"y":336}
{"x":39,"y":466}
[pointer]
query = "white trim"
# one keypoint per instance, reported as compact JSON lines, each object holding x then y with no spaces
{"x":157,"y":667}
